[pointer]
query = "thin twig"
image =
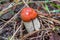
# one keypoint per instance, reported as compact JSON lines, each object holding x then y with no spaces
{"x":16,"y":31}
{"x":47,"y":23}
{"x":29,"y":34}
{"x":14,"y":28}
{"x":25,"y":3}
{"x":42,"y":33}
{"x":56,"y":21}
{"x":14,"y":17}
{"x":2,"y":20}
{"x":21,"y":31}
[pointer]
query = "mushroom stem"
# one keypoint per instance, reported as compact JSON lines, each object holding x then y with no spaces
{"x":36,"y":24}
{"x":29,"y":26}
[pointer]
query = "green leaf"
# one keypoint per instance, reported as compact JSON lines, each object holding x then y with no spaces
{"x":56,"y":28}
{"x":46,"y":7}
{"x":54,"y":5}
{"x":46,"y":0}
{"x":10,"y":38}
{"x":11,"y":12}
{"x":58,"y":6}
{"x":56,"y":11}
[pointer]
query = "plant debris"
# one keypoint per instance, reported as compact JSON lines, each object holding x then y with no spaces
{"x":13,"y":28}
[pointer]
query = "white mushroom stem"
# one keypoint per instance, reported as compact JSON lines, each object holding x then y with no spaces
{"x":36,"y":24}
{"x":29,"y":26}
{"x":32,"y":25}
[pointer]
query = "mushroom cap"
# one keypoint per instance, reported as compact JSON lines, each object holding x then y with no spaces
{"x":28,"y":14}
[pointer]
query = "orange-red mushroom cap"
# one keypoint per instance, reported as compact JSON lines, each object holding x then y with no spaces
{"x":28,"y":14}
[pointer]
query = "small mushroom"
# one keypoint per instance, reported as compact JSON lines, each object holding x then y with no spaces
{"x":30,"y":20}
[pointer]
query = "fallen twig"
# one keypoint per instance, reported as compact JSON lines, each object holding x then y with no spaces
{"x":14,"y":17}
{"x":16,"y":31}
{"x":54,"y":20}
{"x":29,"y":34}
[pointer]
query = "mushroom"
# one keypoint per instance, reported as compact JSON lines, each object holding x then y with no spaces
{"x":30,"y":20}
